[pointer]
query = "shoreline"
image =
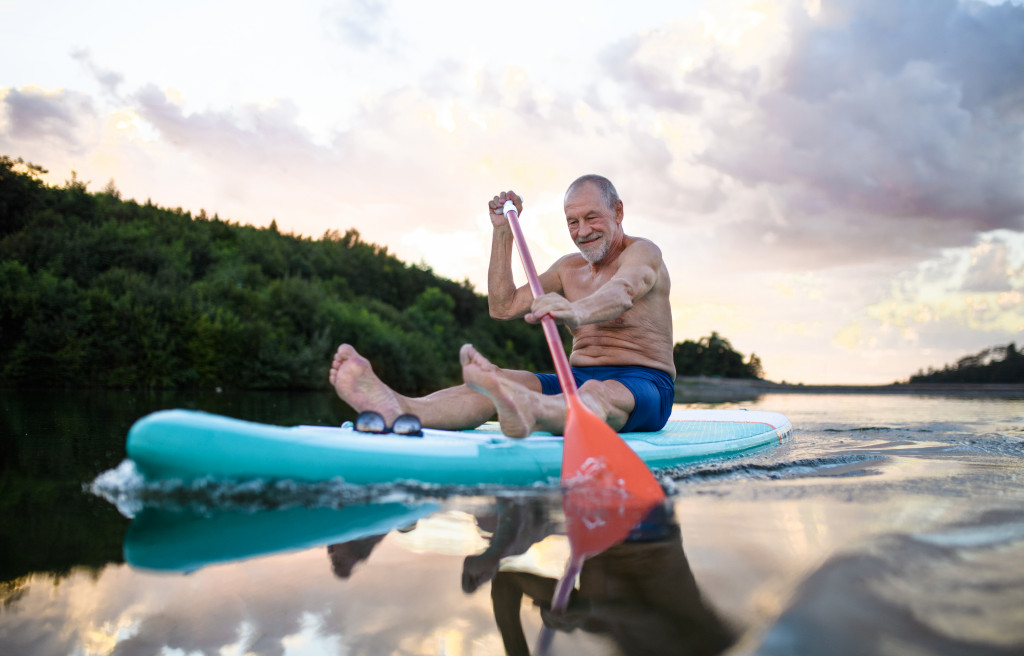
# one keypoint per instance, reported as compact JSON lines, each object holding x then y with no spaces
{"x":690,"y":389}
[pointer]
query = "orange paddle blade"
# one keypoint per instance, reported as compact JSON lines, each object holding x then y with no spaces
{"x":595,"y":523}
{"x":594,"y":456}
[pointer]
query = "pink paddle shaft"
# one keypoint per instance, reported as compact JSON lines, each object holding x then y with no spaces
{"x":562,"y":369}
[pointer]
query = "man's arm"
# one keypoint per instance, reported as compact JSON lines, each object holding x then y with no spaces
{"x":637,"y":274}
{"x":504,"y":299}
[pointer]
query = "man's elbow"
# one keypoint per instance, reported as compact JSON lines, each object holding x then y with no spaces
{"x":630,"y":291}
{"x":498,"y":312}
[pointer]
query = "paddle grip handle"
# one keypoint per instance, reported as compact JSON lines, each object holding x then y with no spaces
{"x":562,"y":370}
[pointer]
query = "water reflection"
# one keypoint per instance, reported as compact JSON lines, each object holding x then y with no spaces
{"x":640,"y":593}
{"x":880,"y":510}
{"x":186,"y":540}
{"x":52,"y":442}
{"x":516,"y":524}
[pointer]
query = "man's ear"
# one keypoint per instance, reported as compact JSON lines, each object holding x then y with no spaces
{"x":618,"y":211}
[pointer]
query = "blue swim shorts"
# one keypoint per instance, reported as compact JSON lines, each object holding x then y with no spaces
{"x":653,"y":392}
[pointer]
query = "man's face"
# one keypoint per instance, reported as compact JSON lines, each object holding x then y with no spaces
{"x":592,"y":224}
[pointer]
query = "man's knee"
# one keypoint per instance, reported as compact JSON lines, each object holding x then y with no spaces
{"x":609,"y":399}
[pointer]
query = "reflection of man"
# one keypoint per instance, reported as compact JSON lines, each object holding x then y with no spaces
{"x":517,"y":524}
{"x":641,"y":593}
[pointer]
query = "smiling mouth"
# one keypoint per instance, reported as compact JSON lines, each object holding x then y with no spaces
{"x":588,"y":240}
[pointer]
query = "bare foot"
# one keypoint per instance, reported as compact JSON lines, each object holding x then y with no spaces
{"x":356,"y":384}
{"x":514,"y":403}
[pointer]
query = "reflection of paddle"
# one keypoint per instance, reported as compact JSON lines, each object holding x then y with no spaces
{"x":608,"y":487}
{"x":597,"y":517}
{"x":591,"y":450}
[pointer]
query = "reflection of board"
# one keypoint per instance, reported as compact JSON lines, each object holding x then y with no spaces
{"x":184,"y":541}
{"x":183,"y":444}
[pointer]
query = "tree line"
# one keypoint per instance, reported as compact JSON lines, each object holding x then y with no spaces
{"x":714,"y":356}
{"x":99,"y":291}
{"x":997,"y":364}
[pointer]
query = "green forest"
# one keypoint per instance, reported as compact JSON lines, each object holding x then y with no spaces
{"x":998,"y":364}
{"x":100,"y":291}
{"x":96,"y":291}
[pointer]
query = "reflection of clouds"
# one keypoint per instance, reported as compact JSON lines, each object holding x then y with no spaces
{"x":389,"y":605}
{"x":451,"y":532}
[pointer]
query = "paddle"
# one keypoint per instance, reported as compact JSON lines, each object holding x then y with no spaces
{"x":608,"y":488}
{"x":592,"y":451}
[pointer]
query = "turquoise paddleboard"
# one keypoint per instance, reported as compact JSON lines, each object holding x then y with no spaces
{"x":187,"y":445}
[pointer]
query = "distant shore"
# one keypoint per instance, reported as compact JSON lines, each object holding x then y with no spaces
{"x":701,"y":389}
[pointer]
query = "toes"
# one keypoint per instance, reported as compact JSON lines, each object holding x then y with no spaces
{"x":344,"y":352}
{"x":468,"y":355}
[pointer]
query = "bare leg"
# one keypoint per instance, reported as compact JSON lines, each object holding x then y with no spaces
{"x":455,"y":408}
{"x":357,"y":385}
{"x":520,"y":409}
{"x":516,"y":396}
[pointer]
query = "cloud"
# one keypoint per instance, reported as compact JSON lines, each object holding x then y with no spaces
{"x":989,"y":268}
{"x":359,"y":24}
{"x":963,"y":300}
{"x":975,"y":45}
{"x":31,"y":114}
{"x":109,"y":80}
{"x":717,"y":72}
{"x":644,"y":67}
{"x":883,"y":115}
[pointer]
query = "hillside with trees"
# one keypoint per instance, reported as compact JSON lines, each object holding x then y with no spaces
{"x":99,"y":291}
{"x":96,"y":291}
{"x":998,"y":364}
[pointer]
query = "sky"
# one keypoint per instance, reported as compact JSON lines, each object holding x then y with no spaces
{"x":837,"y":187}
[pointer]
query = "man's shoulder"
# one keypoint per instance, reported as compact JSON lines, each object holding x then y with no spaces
{"x":641,"y":247}
{"x":641,"y":242}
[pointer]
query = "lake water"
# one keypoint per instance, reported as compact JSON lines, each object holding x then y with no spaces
{"x":887,"y":524}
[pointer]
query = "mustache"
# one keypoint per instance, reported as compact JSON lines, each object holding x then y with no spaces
{"x":589,"y":238}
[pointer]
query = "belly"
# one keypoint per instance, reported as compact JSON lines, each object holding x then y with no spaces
{"x":594,"y":348}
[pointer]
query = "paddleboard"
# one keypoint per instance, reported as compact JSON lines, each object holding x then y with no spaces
{"x":189,"y":445}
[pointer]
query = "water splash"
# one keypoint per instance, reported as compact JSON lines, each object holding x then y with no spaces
{"x":130,"y":492}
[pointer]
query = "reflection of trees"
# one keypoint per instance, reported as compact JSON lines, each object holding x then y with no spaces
{"x":640,"y":593}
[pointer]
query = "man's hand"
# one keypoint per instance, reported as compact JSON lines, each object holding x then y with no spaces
{"x":555,"y":305}
{"x":495,"y":206}
{"x":577,"y":615}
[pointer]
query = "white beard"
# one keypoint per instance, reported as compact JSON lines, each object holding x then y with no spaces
{"x":594,"y":251}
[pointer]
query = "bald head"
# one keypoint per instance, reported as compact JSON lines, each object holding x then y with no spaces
{"x":607,"y":189}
